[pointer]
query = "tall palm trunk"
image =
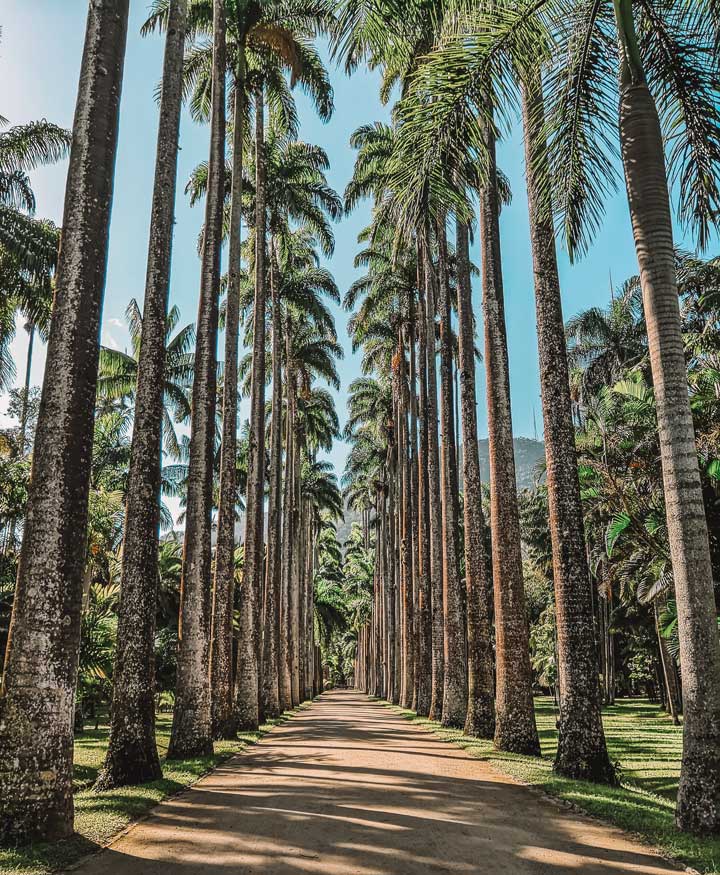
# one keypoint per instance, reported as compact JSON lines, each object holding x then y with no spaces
{"x":423,"y":669}
{"x":38,"y":685}
{"x":698,"y":805}
{"x":223,"y":706}
{"x":581,"y":749}
{"x":410,"y":403}
{"x":480,"y":721}
{"x":247,"y":679}
{"x":26,"y":390}
{"x":405,"y":533}
{"x":398,"y":527}
{"x":192,"y":726}
{"x":309,"y":604}
{"x":293,"y":576}
{"x":24,"y":409}
{"x":299,"y":562}
{"x":270,"y":623}
{"x":434,"y":494}
{"x":394,"y":627}
{"x":455,"y":689}
{"x":132,"y":755}
{"x":285,"y":639}
{"x":515,"y":718}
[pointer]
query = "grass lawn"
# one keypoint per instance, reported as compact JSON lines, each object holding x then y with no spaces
{"x":99,"y":816}
{"x":646,"y":746}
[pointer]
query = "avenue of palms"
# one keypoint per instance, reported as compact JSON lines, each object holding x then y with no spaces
{"x":158,"y":550}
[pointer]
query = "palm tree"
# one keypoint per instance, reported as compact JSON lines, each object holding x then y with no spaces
{"x":192,"y":719}
{"x":687,"y":99}
{"x":604,"y":343}
{"x":310,"y":352}
{"x":247,"y":677}
{"x":515,"y":728}
{"x":480,"y":720}
{"x":247,"y":683}
{"x":454,"y":708}
{"x":158,"y":372}
{"x":28,"y":246}
{"x":36,"y":718}
{"x":254,"y":30}
{"x":118,"y":376}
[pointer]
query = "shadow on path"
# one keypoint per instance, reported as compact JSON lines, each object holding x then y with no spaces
{"x":349,"y":788}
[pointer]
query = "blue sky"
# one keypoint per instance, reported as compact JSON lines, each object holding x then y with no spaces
{"x":39,"y":62}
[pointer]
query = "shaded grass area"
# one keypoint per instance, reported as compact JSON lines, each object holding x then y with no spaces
{"x":99,"y":816}
{"x":647,"y":749}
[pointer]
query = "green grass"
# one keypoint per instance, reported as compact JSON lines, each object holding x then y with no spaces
{"x":647,"y":748}
{"x":99,"y":816}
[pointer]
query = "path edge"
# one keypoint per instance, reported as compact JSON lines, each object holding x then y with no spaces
{"x":435,"y":729}
{"x":285,"y":717}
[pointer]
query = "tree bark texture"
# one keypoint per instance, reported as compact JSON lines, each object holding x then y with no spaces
{"x":515,"y":718}
{"x":582,"y":752}
{"x":270,"y":624}
{"x":454,"y":711}
{"x":424,"y":602}
{"x":192,"y":725}
{"x":698,"y":804}
{"x":434,"y":493}
{"x":480,"y":721}
{"x":221,"y":656}
{"x":132,"y":755}
{"x":247,"y":678}
{"x":37,"y":694}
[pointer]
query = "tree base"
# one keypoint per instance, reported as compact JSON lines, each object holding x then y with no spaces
{"x":581,"y":763}
{"x":480,"y":720}
{"x":224,"y":727}
{"x":191,"y":735}
{"x":515,"y":728}
{"x":122,"y":772}
{"x":36,"y":802}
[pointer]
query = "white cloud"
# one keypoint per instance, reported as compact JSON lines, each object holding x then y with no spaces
{"x":108,"y":340}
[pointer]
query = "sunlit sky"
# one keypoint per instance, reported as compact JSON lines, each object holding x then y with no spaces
{"x":40,"y":53}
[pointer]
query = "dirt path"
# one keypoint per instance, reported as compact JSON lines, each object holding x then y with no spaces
{"x":349,"y":788}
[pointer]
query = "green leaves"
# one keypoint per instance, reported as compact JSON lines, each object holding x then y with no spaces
{"x":618,"y":524}
{"x":581,"y":111}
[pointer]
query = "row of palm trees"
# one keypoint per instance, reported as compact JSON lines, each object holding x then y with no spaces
{"x":460,"y":70}
{"x":217,"y":54}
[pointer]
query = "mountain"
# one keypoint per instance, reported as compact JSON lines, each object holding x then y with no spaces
{"x":529,"y":459}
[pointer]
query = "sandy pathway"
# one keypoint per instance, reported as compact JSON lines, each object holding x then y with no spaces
{"x":349,"y":788}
